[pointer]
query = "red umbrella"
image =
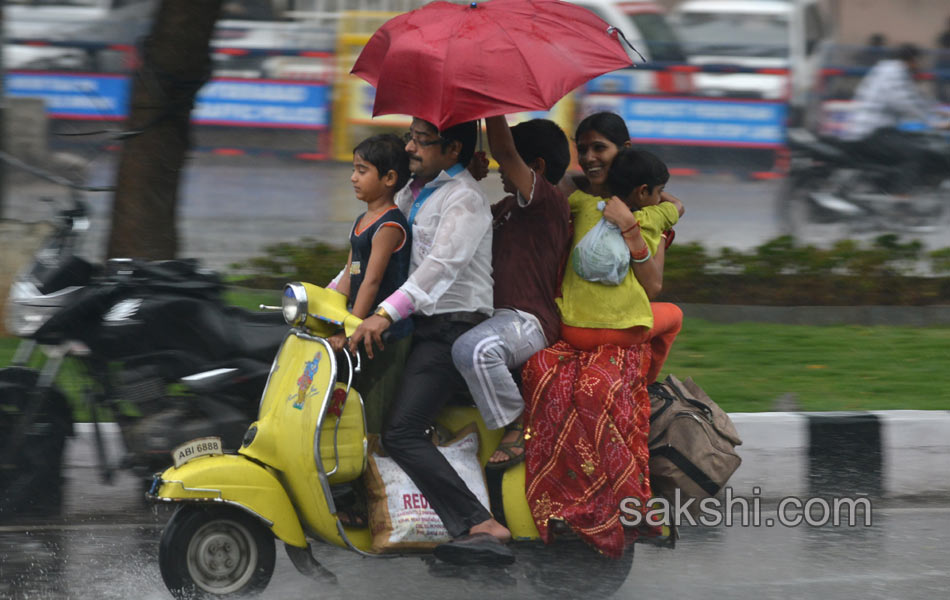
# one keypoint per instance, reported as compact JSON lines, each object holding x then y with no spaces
{"x":449,"y":63}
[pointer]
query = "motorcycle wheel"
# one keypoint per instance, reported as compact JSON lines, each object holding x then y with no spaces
{"x":799,"y":218}
{"x":218,"y":552}
{"x":31,"y":484}
{"x":570,"y":569}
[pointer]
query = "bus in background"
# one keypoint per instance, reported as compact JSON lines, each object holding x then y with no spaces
{"x":789,"y":37}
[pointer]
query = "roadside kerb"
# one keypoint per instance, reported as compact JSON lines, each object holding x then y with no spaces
{"x":890,"y":454}
{"x":838,"y":453}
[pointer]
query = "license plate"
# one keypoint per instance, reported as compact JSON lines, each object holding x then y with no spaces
{"x":205,"y":446}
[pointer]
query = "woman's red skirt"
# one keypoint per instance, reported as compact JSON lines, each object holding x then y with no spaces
{"x":587,"y":419}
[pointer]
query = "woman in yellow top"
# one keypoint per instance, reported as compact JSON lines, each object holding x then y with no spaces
{"x":595,"y":314}
{"x":587,"y":408}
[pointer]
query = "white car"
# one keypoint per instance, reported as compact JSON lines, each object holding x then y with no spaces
{"x":790,"y":35}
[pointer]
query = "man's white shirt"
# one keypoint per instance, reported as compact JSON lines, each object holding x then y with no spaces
{"x":885,"y":96}
{"x":450,"y":265}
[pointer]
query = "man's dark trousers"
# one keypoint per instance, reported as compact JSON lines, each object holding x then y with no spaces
{"x":429,"y":381}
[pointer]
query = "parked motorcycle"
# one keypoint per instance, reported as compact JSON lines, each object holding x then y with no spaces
{"x":836,"y":188}
{"x":34,"y":429}
{"x":159,"y":350}
{"x":309,"y":441}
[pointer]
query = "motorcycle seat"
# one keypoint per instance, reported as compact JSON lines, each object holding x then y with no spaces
{"x":257,"y":335}
{"x":823,"y":148}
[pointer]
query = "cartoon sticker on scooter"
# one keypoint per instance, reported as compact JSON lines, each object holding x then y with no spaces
{"x":304,"y":381}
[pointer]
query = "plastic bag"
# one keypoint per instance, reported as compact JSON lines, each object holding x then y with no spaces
{"x":602,"y":255}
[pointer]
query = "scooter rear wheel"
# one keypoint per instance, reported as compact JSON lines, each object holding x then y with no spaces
{"x":215,"y":552}
{"x":570,"y":569}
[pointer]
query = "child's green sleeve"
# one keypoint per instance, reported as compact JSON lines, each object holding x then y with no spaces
{"x":659,"y":217}
{"x":654,"y":220}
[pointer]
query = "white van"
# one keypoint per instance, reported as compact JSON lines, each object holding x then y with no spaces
{"x":644,"y":24}
{"x":119,"y":22}
{"x":763,"y":34}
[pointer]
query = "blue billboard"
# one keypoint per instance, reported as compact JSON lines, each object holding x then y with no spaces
{"x":263,"y":103}
{"x":73,"y":96}
{"x":696,"y":121}
{"x":247,"y":103}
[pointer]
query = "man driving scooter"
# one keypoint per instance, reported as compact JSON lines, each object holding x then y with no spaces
{"x":886,"y":96}
{"x":449,"y":290}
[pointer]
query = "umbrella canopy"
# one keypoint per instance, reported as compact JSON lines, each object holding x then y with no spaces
{"x":449,"y":63}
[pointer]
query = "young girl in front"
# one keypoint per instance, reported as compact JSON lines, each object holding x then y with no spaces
{"x":587,"y":408}
{"x":378,"y":264}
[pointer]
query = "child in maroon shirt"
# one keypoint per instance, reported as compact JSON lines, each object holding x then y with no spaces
{"x":530,"y":241}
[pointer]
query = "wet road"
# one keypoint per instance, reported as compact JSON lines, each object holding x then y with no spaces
{"x":231,"y":207}
{"x":104,"y":545}
{"x":107,"y":547}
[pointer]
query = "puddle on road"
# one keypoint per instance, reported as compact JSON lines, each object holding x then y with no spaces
{"x":81,"y":562}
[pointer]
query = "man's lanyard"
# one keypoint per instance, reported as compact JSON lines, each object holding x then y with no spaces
{"x":427,"y":191}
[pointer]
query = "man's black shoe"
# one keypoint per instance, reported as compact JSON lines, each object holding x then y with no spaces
{"x":475,"y":549}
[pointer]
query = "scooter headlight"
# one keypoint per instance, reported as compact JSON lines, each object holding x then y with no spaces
{"x":294,"y":304}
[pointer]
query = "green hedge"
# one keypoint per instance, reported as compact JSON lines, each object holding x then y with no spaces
{"x":780,"y":272}
{"x":308,"y":260}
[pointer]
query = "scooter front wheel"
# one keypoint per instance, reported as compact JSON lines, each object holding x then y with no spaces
{"x":215,"y":552}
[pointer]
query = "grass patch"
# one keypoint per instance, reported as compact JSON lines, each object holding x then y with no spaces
{"x":746,"y":366}
{"x":251,"y":299}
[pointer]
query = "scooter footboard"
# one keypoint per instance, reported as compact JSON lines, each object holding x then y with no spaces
{"x":517,"y":512}
{"x":234,"y":480}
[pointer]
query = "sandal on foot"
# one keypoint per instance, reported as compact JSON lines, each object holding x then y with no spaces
{"x":507,"y":448}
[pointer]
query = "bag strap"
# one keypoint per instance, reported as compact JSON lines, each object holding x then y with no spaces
{"x":686,"y":466}
{"x":659,"y":390}
{"x":709,"y":409}
{"x":684,"y":394}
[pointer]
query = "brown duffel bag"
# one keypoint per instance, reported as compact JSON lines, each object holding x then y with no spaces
{"x":692,"y":442}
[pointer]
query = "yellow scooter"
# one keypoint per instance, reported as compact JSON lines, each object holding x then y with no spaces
{"x":309,"y":436}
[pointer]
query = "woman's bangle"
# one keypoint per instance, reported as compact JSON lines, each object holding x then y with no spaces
{"x":641,"y":257}
{"x":635,"y":225}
